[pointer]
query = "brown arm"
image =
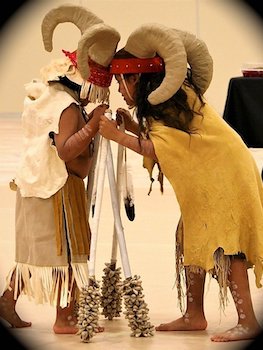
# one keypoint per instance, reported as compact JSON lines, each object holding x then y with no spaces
{"x":108,"y":129}
{"x":71,"y":141}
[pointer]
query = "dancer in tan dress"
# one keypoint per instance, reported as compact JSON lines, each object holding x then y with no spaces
{"x":52,"y":229}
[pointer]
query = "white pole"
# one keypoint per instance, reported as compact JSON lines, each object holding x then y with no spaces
{"x":116,"y":214}
{"x":119,"y":179}
{"x":98,"y":203}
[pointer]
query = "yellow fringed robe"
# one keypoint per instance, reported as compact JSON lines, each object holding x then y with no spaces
{"x":218,"y":187}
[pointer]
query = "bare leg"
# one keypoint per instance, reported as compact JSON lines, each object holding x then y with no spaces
{"x":66,"y":318}
{"x":194,"y":318}
{"x":7,"y":308}
{"x":247,"y":326}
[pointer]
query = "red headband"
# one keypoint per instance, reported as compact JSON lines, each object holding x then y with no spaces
{"x":99,"y":75}
{"x":136,"y":65}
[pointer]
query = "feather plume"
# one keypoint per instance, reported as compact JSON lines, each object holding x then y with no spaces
{"x":128,"y":191}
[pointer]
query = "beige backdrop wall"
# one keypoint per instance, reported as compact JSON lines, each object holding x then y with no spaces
{"x":232,"y":32}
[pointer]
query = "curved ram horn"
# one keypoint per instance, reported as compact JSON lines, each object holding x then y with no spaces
{"x":99,"y":43}
{"x":151,"y":39}
{"x":199,"y":59}
{"x":77,"y":15}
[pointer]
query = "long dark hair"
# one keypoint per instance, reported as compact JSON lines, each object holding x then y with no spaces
{"x":175,"y":112}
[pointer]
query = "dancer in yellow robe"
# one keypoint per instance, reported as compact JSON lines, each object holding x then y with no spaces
{"x":165,"y":73}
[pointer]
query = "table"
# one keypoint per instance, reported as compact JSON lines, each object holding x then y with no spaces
{"x":244,"y":109}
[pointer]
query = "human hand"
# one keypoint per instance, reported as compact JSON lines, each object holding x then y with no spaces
{"x":98,"y":111}
{"x":107,"y":128}
{"x":124,"y":116}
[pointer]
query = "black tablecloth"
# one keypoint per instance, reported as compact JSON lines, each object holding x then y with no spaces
{"x":244,"y":109}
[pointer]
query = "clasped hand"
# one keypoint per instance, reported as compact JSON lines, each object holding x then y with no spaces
{"x":96,"y":112}
{"x":107,"y":128}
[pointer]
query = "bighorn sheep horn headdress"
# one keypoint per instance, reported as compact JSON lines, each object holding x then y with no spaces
{"x":176,"y":48}
{"x":95,"y":50}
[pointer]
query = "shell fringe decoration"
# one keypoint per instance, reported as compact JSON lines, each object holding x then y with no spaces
{"x":88,"y":310}
{"x":111,"y":292}
{"x":136,"y":309}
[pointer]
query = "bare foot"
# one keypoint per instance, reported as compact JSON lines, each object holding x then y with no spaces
{"x":65,"y":330}
{"x":8,"y":313}
{"x":69,"y":326}
{"x":66,"y":325}
{"x":184,"y":324}
{"x":72,"y":330}
{"x":239,"y":332}
{"x":99,"y":329}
